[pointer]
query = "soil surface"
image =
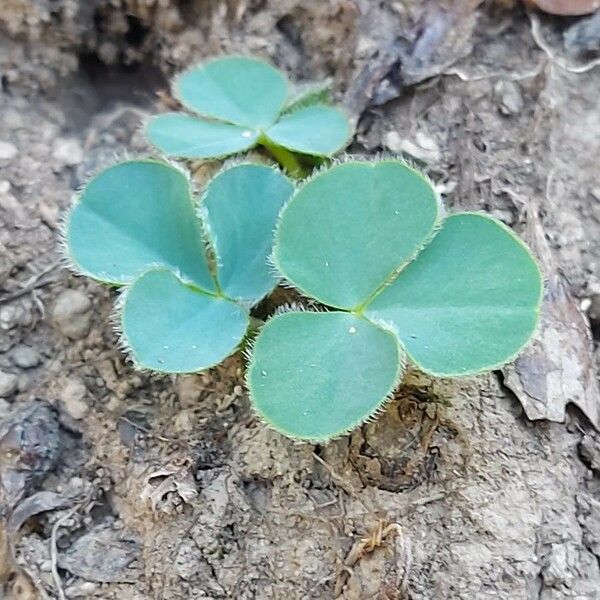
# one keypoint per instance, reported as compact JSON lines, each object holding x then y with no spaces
{"x":121,"y":484}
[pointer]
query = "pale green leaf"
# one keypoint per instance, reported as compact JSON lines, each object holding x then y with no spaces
{"x":241,"y":208}
{"x":314,"y":376}
{"x":134,"y":215}
{"x":173,"y":328}
{"x":318,"y":130}
{"x":183,"y":136}
{"x":244,"y":91}
{"x":468,"y":303}
{"x":350,"y":228}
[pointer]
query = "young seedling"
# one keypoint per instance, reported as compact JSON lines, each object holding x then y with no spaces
{"x":243,"y":102}
{"x":456,"y":295}
{"x":394,"y":278}
{"x":189,"y":273}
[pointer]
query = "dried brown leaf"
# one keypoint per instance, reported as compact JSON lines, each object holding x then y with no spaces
{"x":557,"y":368}
{"x":35,"y":504}
{"x":175,"y":480}
{"x":566,"y":7}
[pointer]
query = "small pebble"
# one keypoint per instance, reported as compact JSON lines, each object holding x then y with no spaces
{"x":5,"y":407}
{"x":68,"y":152}
{"x":14,"y":315}
{"x":583,"y":36}
{"x":49,"y":213}
{"x":7,"y":150}
{"x":510,"y":97}
{"x":71,"y":314}
{"x":392,"y":141}
{"x":594,"y":310}
{"x":82,"y":589}
{"x":8,"y":384}
{"x":189,"y":389}
{"x":25,"y":357}
{"x":72,"y":398}
{"x":46,"y":566}
{"x":8,"y":317}
{"x":423,"y":148}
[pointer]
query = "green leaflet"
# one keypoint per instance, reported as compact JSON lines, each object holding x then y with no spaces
{"x":180,"y":135}
{"x":461,"y":296}
{"x":318,"y":130}
{"x":173,"y":328}
{"x":241,"y":207}
{"x":134,"y":215}
{"x":243,"y":102}
{"x":314,"y":376}
{"x":351,"y":227}
{"x":243,"y":91}
{"x":468,"y":303}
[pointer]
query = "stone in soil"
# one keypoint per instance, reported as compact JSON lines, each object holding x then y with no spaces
{"x":8,"y":384}
{"x":68,"y":152}
{"x":71,"y":314}
{"x":7,"y":150}
{"x":72,"y":398}
{"x":25,"y":357}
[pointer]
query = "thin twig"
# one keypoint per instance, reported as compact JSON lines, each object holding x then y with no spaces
{"x":536,"y":33}
{"x":53,"y":551}
{"x":162,"y":438}
{"x":466,"y":77}
{"x":340,"y":481}
{"x":32,"y":284}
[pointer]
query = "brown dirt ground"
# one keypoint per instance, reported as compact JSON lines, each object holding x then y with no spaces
{"x":211,"y":503}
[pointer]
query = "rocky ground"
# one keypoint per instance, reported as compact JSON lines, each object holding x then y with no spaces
{"x":123,"y":484}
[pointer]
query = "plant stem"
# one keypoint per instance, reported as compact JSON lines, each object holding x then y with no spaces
{"x":284,"y":157}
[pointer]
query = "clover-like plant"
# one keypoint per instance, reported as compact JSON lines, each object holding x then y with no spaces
{"x":239,"y":103}
{"x":190,"y":271}
{"x":456,"y":295}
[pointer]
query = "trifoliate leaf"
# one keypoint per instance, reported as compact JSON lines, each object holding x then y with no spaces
{"x":135,"y":215}
{"x":183,"y":136}
{"x":172,"y":327}
{"x":244,"y":91}
{"x":318,"y":130}
{"x":348,"y":230}
{"x":468,"y":303}
{"x":241,"y":208}
{"x":314,"y":376}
